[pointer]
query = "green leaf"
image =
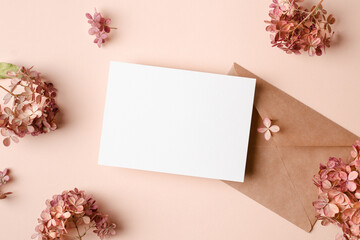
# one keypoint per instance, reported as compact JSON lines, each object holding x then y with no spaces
{"x":5,"y":67}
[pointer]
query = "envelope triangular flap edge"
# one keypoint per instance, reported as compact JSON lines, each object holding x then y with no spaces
{"x":279,"y":172}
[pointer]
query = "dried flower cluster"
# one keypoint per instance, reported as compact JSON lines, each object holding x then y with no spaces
{"x":29,"y":104}
{"x":72,"y":209}
{"x":339,"y":194}
{"x":4,"y":178}
{"x":294,"y":28}
{"x":99,"y":27}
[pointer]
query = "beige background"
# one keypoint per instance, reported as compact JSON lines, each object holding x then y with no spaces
{"x":204,"y":35}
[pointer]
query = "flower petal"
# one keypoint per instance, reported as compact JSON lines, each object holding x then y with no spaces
{"x":316,"y":41}
{"x":357,"y":195}
{"x":355,"y":229}
{"x":4,"y":132}
{"x":330,"y":210}
{"x":30,"y":129}
{"x":6,"y":142}
{"x":348,"y":212}
{"x":262,"y":130}
{"x":343,"y":175}
{"x":274,"y":128}
{"x":312,"y":51}
{"x":353,"y":175}
{"x":354,"y":152}
{"x":339,"y":198}
{"x":267,"y":135}
{"x":15,"y":139}
{"x":103,"y":36}
{"x":67,"y":215}
{"x":88,"y":15}
{"x":86,"y":219}
{"x":325,"y":222}
{"x":267,"y":122}
{"x":92,"y":31}
{"x":351,"y":186}
{"x":326,"y":184}
{"x":6,"y":178}
{"x":355,"y":218}
{"x":319,"y":204}
{"x":7,"y":98}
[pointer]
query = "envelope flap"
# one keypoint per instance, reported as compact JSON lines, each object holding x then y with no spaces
{"x":305,"y":140}
{"x":267,"y":181}
{"x":300,"y":125}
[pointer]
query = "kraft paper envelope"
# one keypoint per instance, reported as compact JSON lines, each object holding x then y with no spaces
{"x":279,"y":172}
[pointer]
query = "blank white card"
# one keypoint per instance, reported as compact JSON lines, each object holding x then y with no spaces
{"x":177,"y":121}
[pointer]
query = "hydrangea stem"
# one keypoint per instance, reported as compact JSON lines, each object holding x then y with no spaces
{"x":307,"y":17}
{"x":79,"y":235}
{"x":7,"y":91}
{"x":78,"y":232}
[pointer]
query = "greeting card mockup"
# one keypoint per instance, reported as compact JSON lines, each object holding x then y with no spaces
{"x":177,"y":121}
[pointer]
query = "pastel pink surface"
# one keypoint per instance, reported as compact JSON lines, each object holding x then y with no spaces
{"x":196,"y":35}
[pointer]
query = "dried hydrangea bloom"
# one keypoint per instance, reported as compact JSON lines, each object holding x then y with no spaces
{"x":99,"y":27}
{"x":339,"y":194}
{"x":295,"y":29}
{"x":29,"y":106}
{"x":4,"y":178}
{"x":72,"y":209}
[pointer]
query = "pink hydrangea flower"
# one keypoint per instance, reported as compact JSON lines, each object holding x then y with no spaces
{"x":99,"y":27}
{"x":350,"y":181}
{"x":338,"y":199}
{"x":9,"y":135}
{"x":4,"y":179}
{"x":294,"y":28}
{"x":355,"y":153}
{"x":31,"y":109}
{"x":72,"y":209}
{"x":312,"y":45}
{"x":268,"y":129}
